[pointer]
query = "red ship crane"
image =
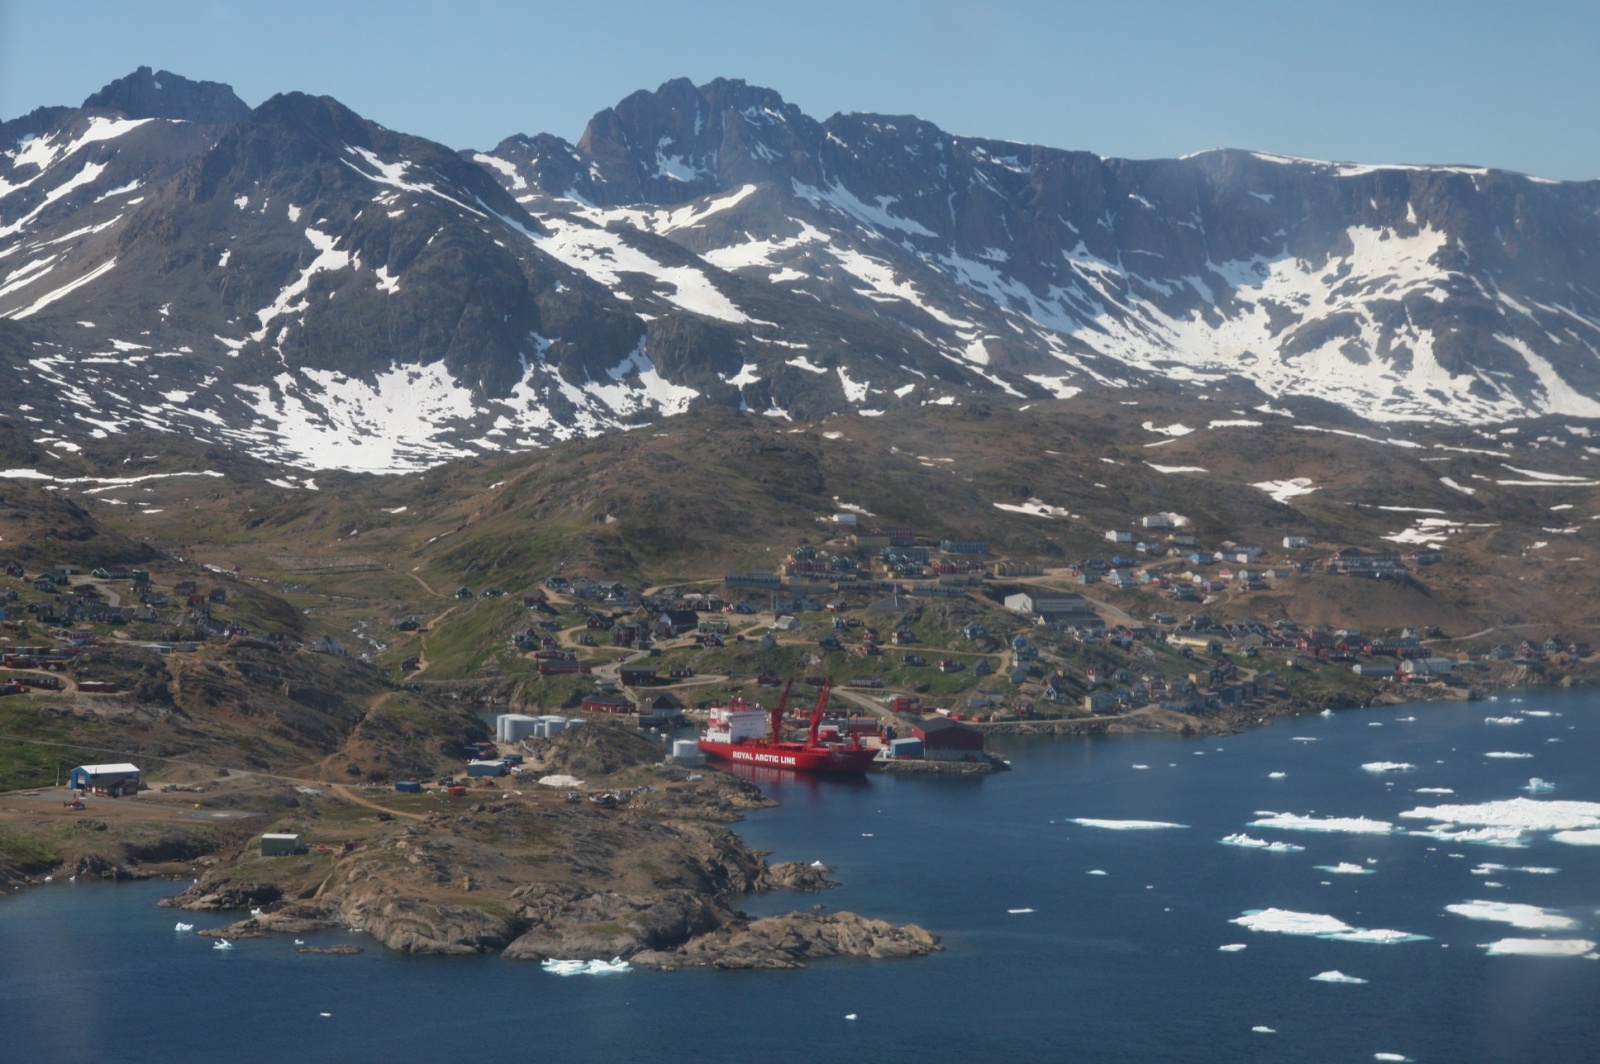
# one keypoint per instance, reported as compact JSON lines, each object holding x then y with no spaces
{"x":816,"y":713}
{"x":777,"y":713}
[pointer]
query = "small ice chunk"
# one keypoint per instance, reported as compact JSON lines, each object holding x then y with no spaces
{"x":1336,"y":976}
{"x":1388,"y":766}
{"x":1241,"y":839}
{"x":1097,"y":872}
{"x":1276,"y":775}
{"x":1262,"y":1029}
{"x":1018,"y":912}
{"x":1232,"y":947}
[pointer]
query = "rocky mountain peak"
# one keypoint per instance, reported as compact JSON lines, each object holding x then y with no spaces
{"x":163,"y":94}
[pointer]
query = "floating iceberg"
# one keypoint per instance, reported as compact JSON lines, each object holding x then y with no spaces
{"x":1232,"y":947}
{"x":183,"y":927}
{"x":1521,"y":814}
{"x":1388,"y":766}
{"x":1336,"y":976}
{"x":559,"y":967}
{"x":1358,"y":825}
{"x":1345,"y":868}
{"x":1126,"y":825}
{"x":1394,"y":1058}
{"x":1276,"y":775}
{"x":1539,"y":786}
{"x":1502,"y":720}
{"x":1586,"y":837}
{"x":1262,"y":1029}
{"x":1317,"y":925}
{"x":1537,"y":713}
{"x":1241,"y":839}
{"x":1528,"y":917}
{"x":1540,"y":947}
{"x":1018,"y":912}
{"x":222,"y":944}
{"x":1507,"y":755}
{"x":1434,"y":790}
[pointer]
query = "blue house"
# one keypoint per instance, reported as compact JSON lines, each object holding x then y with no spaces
{"x":113,"y":781}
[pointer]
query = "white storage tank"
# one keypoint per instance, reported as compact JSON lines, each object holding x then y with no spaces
{"x":513,"y":727}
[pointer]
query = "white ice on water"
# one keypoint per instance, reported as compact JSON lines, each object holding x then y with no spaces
{"x":1241,"y":839}
{"x":560,"y":967}
{"x":1358,"y":825}
{"x":1276,"y":775}
{"x":1345,"y":868}
{"x":1540,"y":947}
{"x":1336,"y":976}
{"x":1318,"y":925}
{"x":1232,"y":947}
{"x":1502,"y":720}
{"x":1388,"y":766}
{"x":1510,"y":755}
{"x":1126,"y":825}
{"x":1527,"y":917}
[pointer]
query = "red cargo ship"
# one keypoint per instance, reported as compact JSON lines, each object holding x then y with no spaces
{"x":753,"y":736}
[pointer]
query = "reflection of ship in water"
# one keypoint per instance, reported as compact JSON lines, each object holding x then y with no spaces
{"x":749,"y":736}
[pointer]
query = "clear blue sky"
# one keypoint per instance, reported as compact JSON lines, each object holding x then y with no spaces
{"x":1514,"y":85}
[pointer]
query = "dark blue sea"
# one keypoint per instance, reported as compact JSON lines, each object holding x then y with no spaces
{"x":1119,"y":959}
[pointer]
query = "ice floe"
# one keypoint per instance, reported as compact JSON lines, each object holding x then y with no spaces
{"x":1393,"y":1058}
{"x":560,"y":967}
{"x":1276,"y":775}
{"x":183,"y":927}
{"x":1540,"y":947}
{"x":1096,"y":872}
{"x":1507,"y":755}
{"x":1356,"y":825}
{"x":1502,"y":720}
{"x":1345,"y":868}
{"x":1527,"y":917}
{"x":1263,"y":1029}
{"x":1318,"y":925}
{"x":1526,"y":814}
{"x":1232,"y":947}
{"x":1241,"y":839}
{"x":1126,"y":825}
{"x":1582,"y":837}
{"x":1539,"y":786}
{"x":1336,"y":976}
{"x":1388,"y":766}
{"x":1434,"y":790}
{"x":1018,"y":912}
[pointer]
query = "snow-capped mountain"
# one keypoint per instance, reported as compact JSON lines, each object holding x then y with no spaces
{"x":315,"y":288}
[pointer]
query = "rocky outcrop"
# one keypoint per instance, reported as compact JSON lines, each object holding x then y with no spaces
{"x":789,"y":941}
{"x":408,"y":924}
{"x":213,"y":894}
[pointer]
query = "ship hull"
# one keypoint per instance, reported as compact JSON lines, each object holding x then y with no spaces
{"x":797,"y":757}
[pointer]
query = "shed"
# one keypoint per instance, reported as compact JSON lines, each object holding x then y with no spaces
{"x":487,"y":768}
{"x":281,"y":845}
{"x":948,"y":740}
{"x":110,"y":780}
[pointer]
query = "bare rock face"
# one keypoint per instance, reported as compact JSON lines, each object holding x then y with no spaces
{"x":417,"y":925}
{"x":573,"y":922}
{"x":797,"y":875}
{"x":210,"y":896}
{"x":789,"y":941}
